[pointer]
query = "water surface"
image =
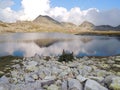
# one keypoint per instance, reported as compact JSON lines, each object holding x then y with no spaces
{"x":28,"y":44}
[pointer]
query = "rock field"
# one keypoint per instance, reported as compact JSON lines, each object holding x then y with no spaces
{"x":39,"y":73}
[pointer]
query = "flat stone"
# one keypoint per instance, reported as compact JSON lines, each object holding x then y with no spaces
{"x":47,"y":82}
{"x":4,"y":79}
{"x":110,"y":61}
{"x":35,"y":76}
{"x":115,"y":85}
{"x":28,"y":79}
{"x":50,"y":78}
{"x":4,"y":87}
{"x":98,"y":79}
{"x":31,"y":66}
{"x":108,"y":79}
{"x":53,"y":87}
{"x":64,"y":85}
{"x":116,"y":65}
{"x":93,"y":85}
{"x":81,"y":78}
{"x":74,"y":84}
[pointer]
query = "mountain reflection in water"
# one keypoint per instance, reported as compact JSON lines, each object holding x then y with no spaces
{"x":28,"y":44}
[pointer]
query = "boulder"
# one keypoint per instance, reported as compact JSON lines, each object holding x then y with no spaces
{"x":93,"y":85}
{"x":74,"y":84}
{"x":81,"y":78}
{"x":115,"y":85}
{"x":53,"y":87}
{"x":64,"y":85}
{"x":31,"y":66}
{"x":4,"y":87}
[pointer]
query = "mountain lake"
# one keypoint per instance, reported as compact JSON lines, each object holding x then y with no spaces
{"x":29,"y":44}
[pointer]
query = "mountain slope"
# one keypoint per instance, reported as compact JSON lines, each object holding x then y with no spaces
{"x":46,"y":20}
{"x":87,"y":26}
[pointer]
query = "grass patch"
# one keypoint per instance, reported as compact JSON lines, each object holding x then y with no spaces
{"x":6,"y":62}
{"x":66,"y":57}
{"x":106,"y":33}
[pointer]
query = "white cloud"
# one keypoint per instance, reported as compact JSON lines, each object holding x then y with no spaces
{"x":6,"y":3}
{"x":31,"y":9}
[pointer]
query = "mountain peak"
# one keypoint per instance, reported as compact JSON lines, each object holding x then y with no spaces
{"x":45,"y":20}
{"x":87,"y":24}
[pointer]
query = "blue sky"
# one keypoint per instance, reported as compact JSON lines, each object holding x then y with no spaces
{"x":83,"y":4}
{"x":17,"y":5}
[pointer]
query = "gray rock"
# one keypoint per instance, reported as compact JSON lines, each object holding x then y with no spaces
{"x":4,"y":87}
{"x":41,"y":75}
{"x":47,"y":82}
{"x":64,"y":85}
{"x":110,"y":61}
{"x":31,"y":66}
{"x":28,"y":79}
{"x":35,"y":76}
{"x":108,"y":79}
{"x":74,"y":84}
{"x":81,"y":78}
{"x":113,"y":82}
{"x":53,"y":87}
{"x":73,"y":65}
{"x":93,"y":85}
{"x":37,"y":57}
{"x":50,"y":78}
{"x":98,"y":79}
{"x":4,"y":79}
{"x":58,"y":82}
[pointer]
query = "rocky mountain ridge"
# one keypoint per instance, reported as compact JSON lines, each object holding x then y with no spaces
{"x":48,"y":24}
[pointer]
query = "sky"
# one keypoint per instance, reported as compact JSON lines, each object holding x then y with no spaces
{"x":98,"y":12}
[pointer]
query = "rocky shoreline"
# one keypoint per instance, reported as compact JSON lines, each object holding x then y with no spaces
{"x":46,"y":73}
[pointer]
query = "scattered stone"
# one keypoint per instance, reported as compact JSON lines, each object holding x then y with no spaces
{"x":86,"y":73}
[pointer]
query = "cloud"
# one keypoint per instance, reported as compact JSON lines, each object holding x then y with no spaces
{"x":31,"y":9}
{"x":34,"y":8}
{"x":6,"y":13}
{"x":6,"y":3}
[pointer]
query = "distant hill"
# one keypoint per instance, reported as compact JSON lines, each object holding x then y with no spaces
{"x":87,"y":26}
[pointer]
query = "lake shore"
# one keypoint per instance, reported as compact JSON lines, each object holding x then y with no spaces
{"x":47,"y":73}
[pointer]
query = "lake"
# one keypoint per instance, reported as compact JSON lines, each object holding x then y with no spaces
{"x":29,"y":44}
